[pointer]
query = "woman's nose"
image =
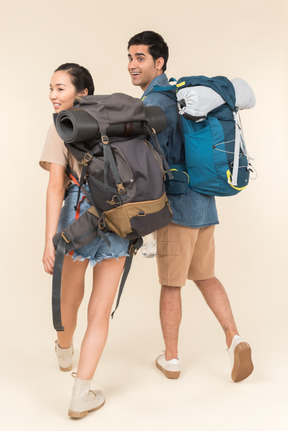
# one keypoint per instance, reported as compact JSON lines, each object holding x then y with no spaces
{"x":52,"y":95}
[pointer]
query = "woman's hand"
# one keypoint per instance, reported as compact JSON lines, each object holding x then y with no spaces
{"x":49,"y":257}
{"x":55,"y":194}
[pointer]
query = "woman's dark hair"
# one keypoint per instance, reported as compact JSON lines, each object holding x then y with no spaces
{"x":81,"y":77}
{"x":157,"y":45}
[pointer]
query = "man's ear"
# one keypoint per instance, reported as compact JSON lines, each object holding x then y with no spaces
{"x":84,"y":92}
{"x":159,"y":63}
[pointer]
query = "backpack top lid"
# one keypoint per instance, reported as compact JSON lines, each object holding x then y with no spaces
{"x":220,"y":84}
{"x":111,"y":109}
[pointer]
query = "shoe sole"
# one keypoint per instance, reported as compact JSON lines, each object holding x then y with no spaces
{"x":168,"y":374}
{"x":243,"y":365}
{"x":79,"y":415}
{"x":66,"y":369}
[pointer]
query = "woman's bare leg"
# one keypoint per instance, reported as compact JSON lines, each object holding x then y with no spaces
{"x":106,"y":276}
{"x":72,"y":291}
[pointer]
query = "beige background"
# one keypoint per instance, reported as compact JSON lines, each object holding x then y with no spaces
{"x":246,"y":39}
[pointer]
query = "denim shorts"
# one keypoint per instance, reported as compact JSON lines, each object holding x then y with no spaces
{"x":96,"y":250}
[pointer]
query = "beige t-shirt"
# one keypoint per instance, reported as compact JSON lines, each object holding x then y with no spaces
{"x":54,"y":151}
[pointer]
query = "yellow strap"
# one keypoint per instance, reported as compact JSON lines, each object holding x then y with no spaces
{"x":180,"y":84}
{"x":228,"y":173}
{"x":178,"y":171}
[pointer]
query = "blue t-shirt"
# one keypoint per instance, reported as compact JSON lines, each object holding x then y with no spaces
{"x":191,"y":209}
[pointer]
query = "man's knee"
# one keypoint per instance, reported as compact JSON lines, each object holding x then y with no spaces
{"x":170,"y":294}
{"x":206,"y":283}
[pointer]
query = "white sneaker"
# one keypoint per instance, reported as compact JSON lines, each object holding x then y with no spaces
{"x":240,"y":356}
{"x":84,"y":400}
{"x":170,"y":369}
{"x":64,"y":356}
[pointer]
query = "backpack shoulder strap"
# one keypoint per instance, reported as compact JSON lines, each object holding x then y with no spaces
{"x":169,"y":91}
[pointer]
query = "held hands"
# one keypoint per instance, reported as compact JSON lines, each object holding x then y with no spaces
{"x":49,"y":257}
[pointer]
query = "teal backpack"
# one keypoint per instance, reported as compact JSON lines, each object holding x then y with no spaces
{"x":216,"y":158}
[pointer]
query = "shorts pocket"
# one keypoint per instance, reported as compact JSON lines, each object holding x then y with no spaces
{"x":165,"y":248}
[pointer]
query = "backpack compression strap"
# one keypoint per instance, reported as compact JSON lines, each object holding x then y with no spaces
{"x":110,"y":161}
{"x":134,"y":246}
{"x":62,"y":248}
{"x":239,"y":143}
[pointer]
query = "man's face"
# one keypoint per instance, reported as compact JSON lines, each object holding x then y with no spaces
{"x":142,"y":66}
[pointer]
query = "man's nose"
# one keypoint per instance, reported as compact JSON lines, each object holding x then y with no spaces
{"x":132,"y":64}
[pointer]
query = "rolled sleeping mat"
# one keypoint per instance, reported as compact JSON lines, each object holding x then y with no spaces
{"x":245,"y":97}
{"x":77,"y":125}
{"x":156,"y":118}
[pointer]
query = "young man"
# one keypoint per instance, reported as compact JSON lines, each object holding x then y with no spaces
{"x":185,"y":248}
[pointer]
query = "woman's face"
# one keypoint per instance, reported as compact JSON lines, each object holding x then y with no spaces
{"x":62,"y":91}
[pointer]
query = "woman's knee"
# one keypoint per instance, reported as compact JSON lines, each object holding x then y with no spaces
{"x":99,"y":314}
{"x":72,"y":300}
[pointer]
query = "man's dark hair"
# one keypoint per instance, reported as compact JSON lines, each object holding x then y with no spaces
{"x":157,"y":45}
{"x":80,"y":76}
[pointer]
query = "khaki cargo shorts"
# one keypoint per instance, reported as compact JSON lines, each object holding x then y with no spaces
{"x":185,"y":253}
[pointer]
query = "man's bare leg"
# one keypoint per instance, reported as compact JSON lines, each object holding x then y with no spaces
{"x":170,"y":317}
{"x":240,"y":351}
{"x":217,"y":299}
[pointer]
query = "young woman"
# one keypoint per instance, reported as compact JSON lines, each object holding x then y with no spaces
{"x":69,"y":81}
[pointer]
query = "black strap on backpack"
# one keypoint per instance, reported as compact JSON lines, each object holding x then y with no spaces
{"x":134,"y":246}
{"x":109,"y":161}
{"x":157,"y":147}
{"x":85,"y":162}
{"x":62,"y":249}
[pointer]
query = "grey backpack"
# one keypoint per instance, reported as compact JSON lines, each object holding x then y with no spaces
{"x":124,"y":171}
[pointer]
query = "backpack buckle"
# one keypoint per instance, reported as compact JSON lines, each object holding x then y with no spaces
{"x":132,"y":250}
{"x":115,"y":201}
{"x":66,"y":239}
{"x":105,"y":139}
{"x":121,"y":189}
{"x":101,"y":224}
{"x":87,"y":159}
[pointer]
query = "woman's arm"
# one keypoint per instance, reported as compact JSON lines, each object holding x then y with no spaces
{"x":54,"y":200}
